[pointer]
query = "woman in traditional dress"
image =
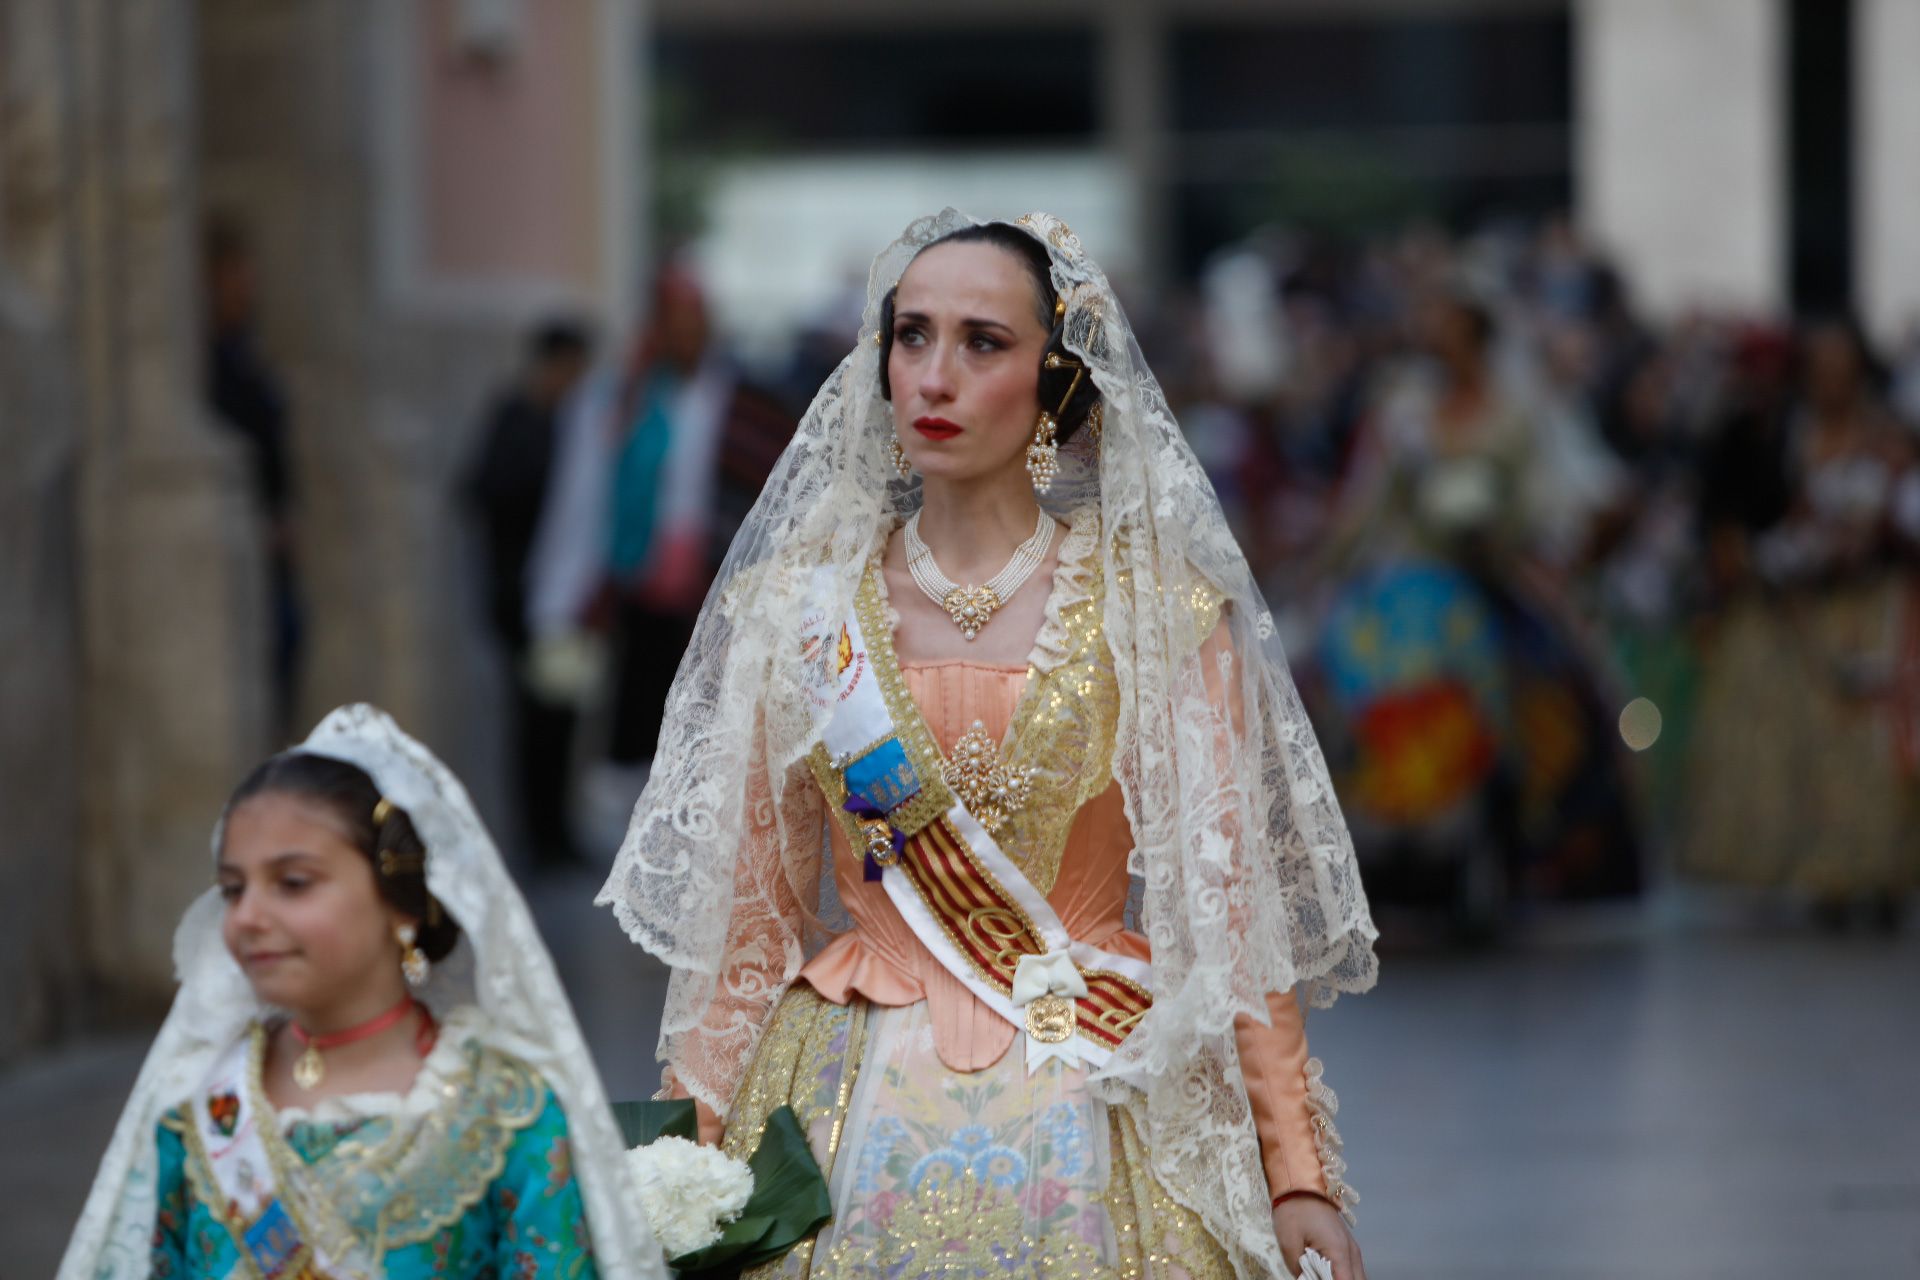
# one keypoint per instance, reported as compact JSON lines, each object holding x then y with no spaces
{"x":1478,"y":740}
{"x":1806,"y":764}
{"x":370,"y":1069}
{"x":983,"y":660}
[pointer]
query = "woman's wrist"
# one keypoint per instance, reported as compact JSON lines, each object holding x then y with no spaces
{"x":1297,"y":1192}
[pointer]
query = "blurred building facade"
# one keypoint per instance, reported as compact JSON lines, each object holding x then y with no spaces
{"x":417,"y":181}
{"x":1730,"y":154}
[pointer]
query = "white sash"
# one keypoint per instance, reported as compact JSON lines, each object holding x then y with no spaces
{"x":227,"y":1128}
{"x":860,"y":721}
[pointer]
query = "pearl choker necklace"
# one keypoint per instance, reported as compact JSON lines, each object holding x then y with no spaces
{"x":971,"y":608}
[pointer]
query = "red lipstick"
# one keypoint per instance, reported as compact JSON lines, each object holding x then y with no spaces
{"x":936,"y":428}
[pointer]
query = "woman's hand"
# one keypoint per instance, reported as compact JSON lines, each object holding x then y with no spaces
{"x":1305,"y":1220}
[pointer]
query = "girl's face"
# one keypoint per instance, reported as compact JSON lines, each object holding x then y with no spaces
{"x":965,"y":364}
{"x":304,"y":918}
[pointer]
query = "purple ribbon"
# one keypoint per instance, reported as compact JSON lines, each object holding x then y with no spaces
{"x":861,"y":808}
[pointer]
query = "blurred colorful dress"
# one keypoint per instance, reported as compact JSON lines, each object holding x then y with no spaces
{"x":1805,"y":771}
{"x":1464,"y":713}
{"x":467,"y":1174}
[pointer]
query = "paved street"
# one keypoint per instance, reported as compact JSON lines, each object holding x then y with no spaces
{"x":1736,"y":1107}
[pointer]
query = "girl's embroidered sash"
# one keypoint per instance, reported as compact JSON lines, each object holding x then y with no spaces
{"x":234,"y":1173}
{"x":956,"y":888}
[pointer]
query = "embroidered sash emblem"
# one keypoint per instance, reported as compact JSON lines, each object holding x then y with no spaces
{"x":1050,"y":1019}
{"x":224,"y":1108}
{"x":274,"y":1243}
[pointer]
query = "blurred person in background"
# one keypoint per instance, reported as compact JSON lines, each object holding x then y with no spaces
{"x":660,"y":463}
{"x":505,"y":488}
{"x":249,"y":399}
{"x":1802,"y":779}
{"x":1469,"y":730}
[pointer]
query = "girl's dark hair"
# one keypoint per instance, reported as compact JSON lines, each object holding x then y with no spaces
{"x":1053,"y":382}
{"x":399,"y":858}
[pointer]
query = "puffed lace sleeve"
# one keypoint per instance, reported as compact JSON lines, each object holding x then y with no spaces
{"x":776,"y":881}
{"x":1292,"y":1109}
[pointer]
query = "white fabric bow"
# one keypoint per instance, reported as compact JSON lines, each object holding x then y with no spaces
{"x":1053,"y":973}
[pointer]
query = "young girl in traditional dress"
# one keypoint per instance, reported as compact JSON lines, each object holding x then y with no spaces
{"x":370,"y":1069}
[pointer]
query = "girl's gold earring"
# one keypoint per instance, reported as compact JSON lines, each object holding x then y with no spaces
{"x":900,"y":462}
{"x":413,"y":961}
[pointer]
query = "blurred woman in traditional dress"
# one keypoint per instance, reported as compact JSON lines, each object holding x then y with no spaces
{"x":1475,"y":743}
{"x":1808,"y":745}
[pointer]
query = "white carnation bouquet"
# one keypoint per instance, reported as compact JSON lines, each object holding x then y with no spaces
{"x":713,"y":1215}
{"x":689,"y":1192}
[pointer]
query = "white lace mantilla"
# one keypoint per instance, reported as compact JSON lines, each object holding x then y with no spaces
{"x":1245,"y":873}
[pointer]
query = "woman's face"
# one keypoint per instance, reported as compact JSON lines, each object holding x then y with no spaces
{"x":304,"y":919}
{"x":965,"y":363}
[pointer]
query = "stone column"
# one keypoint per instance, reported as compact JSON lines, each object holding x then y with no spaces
{"x":40,"y":953}
{"x":1887,"y":166}
{"x":1680,"y":148}
{"x":420,"y":189}
{"x":166,"y":572}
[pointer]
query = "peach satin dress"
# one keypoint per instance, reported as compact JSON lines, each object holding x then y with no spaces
{"x":881,"y":960}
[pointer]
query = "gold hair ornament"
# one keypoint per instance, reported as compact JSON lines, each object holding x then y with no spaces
{"x":395,"y":862}
{"x":1043,"y":455}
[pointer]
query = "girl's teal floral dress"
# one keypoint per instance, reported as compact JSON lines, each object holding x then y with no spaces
{"x":466,"y":1175}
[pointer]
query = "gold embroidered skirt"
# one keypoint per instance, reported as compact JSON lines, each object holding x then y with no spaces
{"x":959,"y":1175}
{"x":1796,"y":784}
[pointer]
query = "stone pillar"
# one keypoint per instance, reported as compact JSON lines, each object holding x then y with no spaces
{"x":422,"y":187}
{"x":1887,"y":167}
{"x":1680,"y":148}
{"x":131,"y":616}
{"x":40,"y":957}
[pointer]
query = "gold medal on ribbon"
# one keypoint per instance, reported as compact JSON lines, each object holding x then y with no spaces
{"x":1050,"y":1019}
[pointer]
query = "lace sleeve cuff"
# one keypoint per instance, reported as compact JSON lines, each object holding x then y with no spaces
{"x":1322,"y":1106}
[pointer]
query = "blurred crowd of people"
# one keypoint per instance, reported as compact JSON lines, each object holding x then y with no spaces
{"x":1578,"y":603}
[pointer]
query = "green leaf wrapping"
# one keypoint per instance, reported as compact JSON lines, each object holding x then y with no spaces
{"x":789,"y":1203}
{"x":642,"y":1122}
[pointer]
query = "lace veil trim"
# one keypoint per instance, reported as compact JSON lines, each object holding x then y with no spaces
{"x":1073,"y":583}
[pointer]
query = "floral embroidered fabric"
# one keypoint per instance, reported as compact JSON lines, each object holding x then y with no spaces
{"x":987,"y":1175}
